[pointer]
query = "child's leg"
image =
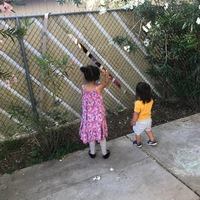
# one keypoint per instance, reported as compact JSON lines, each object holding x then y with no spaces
{"x":138,"y":129}
{"x":150,"y":135}
{"x":103,"y":147}
{"x":149,"y":131}
{"x":92,"y":147}
{"x":138,"y":138}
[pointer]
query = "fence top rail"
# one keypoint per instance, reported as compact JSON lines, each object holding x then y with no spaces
{"x":57,"y":14}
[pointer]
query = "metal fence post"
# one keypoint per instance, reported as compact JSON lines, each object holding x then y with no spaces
{"x":28,"y":79}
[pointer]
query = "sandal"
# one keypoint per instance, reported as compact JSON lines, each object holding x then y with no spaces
{"x":107,"y":155}
{"x":91,"y":155}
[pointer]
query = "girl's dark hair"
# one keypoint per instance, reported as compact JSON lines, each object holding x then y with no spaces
{"x":143,"y":92}
{"x":91,"y":73}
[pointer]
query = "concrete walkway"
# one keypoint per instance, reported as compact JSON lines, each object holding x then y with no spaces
{"x":168,"y":171}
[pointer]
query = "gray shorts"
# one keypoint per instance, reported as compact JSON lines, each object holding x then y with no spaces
{"x":144,"y":125}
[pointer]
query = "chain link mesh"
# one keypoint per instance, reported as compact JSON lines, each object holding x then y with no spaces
{"x":63,"y":86}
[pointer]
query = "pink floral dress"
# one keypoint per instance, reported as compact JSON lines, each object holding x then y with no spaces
{"x":93,"y":123}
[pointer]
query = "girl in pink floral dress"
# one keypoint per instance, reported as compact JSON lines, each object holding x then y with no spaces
{"x":93,"y":123}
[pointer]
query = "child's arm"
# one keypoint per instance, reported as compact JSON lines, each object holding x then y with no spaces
{"x":106,"y":81}
{"x":134,"y":119}
{"x":106,"y":75}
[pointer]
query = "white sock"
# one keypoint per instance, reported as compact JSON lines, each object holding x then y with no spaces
{"x":103,"y":147}
{"x":92,"y":147}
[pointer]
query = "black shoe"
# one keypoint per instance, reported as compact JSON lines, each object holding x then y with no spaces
{"x":152,"y":143}
{"x":91,"y":155}
{"x":137,"y":144}
{"x":107,"y":155}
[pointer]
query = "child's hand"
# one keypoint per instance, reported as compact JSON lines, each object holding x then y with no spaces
{"x":132,"y":123}
{"x":103,"y":71}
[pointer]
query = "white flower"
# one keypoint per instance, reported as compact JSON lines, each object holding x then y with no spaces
{"x":136,"y":3}
{"x":128,"y":48}
{"x":198,"y":20}
{"x":102,"y":11}
{"x":111,"y":42}
{"x":14,"y":79}
{"x":142,"y":2}
{"x":91,"y":4}
{"x":157,"y":24}
{"x":199,"y":7}
{"x":125,"y":48}
{"x":166,"y":5}
{"x":146,"y":42}
{"x":126,"y":6}
{"x":145,"y":29}
{"x":8,"y":83}
{"x":102,"y":2}
{"x":148,"y":25}
{"x":131,"y":7}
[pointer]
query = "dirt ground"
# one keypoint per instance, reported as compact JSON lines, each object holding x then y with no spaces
{"x":119,"y":124}
{"x":22,"y":153}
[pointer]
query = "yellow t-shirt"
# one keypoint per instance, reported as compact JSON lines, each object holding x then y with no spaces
{"x":143,"y":109}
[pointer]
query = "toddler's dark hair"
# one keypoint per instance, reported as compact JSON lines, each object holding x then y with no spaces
{"x":143,"y":91}
{"x":91,"y":73}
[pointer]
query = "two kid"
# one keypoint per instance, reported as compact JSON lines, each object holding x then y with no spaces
{"x":93,"y":125}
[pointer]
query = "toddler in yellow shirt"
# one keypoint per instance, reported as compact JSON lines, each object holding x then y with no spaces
{"x":141,"y":120}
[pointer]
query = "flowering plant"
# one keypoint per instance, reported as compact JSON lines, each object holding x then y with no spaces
{"x":170,"y":31}
{"x":5,"y":7}
{"x":127,"y":44}
{"x":16,"y":32}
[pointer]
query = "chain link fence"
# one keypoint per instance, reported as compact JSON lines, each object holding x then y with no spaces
{"x":49,"y":84}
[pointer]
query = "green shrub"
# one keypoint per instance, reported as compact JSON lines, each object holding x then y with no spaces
{"x":45,"y":127}
{"x":172,"y":40}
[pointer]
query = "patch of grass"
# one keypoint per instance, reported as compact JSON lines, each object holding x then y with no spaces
{"x":3,"y":155}
{"x":37,"y":156}
{"x":68,"y":148}
{"x":10,"y":170}
{"x":9,"y":146}
{"x":18,"y":154}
